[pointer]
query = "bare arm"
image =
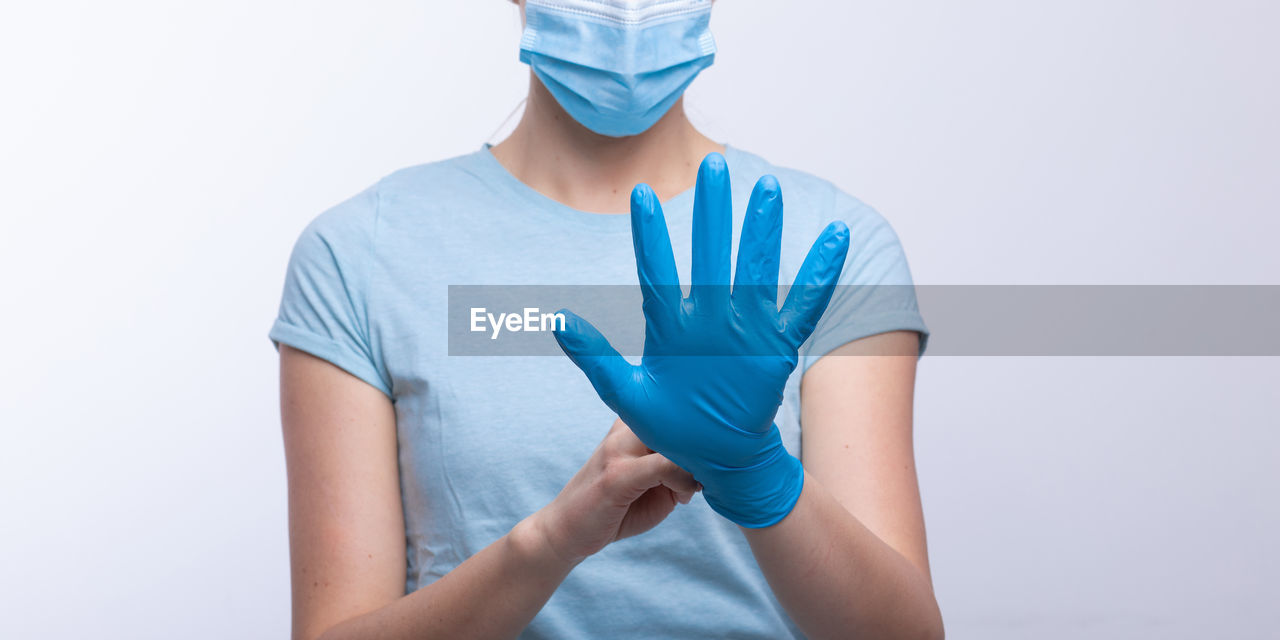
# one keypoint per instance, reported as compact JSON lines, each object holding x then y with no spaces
{"x":850,"y":559}
{"x":346,"y":526}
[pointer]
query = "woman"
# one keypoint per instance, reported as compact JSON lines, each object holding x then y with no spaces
{"x":443,"y":496}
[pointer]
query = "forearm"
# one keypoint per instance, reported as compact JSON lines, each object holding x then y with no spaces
{"x":493,"y":594}
{"x":838,"y":579}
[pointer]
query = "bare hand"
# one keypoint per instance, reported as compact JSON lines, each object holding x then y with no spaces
{"x":623,"y":490}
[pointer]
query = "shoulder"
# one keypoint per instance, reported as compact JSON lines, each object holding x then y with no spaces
{"x":862,"y":307}
{"x":812,"y":202}
{"x":361,"y":218}
{"x":436,"y":179}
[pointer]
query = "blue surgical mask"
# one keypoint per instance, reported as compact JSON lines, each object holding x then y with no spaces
{"x":617,"y":66}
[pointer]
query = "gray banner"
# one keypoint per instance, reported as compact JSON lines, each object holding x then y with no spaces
{"x":963,"y":320}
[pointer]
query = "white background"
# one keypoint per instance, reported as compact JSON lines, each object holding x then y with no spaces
{"x":157,"y":160}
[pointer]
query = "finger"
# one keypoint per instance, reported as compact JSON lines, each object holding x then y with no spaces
{"x":654,"y":469}
{"x":655,"y":262}
{"x":712,"y":231}
{"x":756,"y":277}
{"x":815,"y":283}
{"x":607,"y":371}
{"x":646,"y":511}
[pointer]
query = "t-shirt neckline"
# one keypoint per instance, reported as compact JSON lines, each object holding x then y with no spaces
{"x":545,"y":205}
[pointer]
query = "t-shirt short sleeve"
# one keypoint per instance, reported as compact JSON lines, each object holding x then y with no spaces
{"x":875,"y":293}
{"x":324,"y":309}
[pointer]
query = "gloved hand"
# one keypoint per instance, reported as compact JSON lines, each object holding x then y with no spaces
{"x":714,"y":365}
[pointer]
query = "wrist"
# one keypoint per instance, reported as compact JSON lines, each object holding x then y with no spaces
{"x":533,"y":541}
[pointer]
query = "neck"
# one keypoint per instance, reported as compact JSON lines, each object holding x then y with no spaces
{"x":552,"y":153}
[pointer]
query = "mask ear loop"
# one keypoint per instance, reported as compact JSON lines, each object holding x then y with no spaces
{"x":503,"y":127}
{"x":493,"y":137}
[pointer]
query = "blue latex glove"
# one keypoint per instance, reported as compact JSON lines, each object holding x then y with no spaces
{"x":714,"y":365}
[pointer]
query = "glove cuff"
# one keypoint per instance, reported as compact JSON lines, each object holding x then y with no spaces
{"x":760,"y":495}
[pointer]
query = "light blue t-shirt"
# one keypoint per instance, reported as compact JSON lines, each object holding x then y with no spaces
{"x":484,"y":441}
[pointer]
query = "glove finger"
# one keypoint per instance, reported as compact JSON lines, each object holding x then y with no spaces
{"x":815,"y":283}
{"x":607,"y":371}
{"x":712,"y":232}
{"x":655,"y":262}
{"x":756,"y":277}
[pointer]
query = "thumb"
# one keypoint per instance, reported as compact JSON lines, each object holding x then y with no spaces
{"x":607,"y":371}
